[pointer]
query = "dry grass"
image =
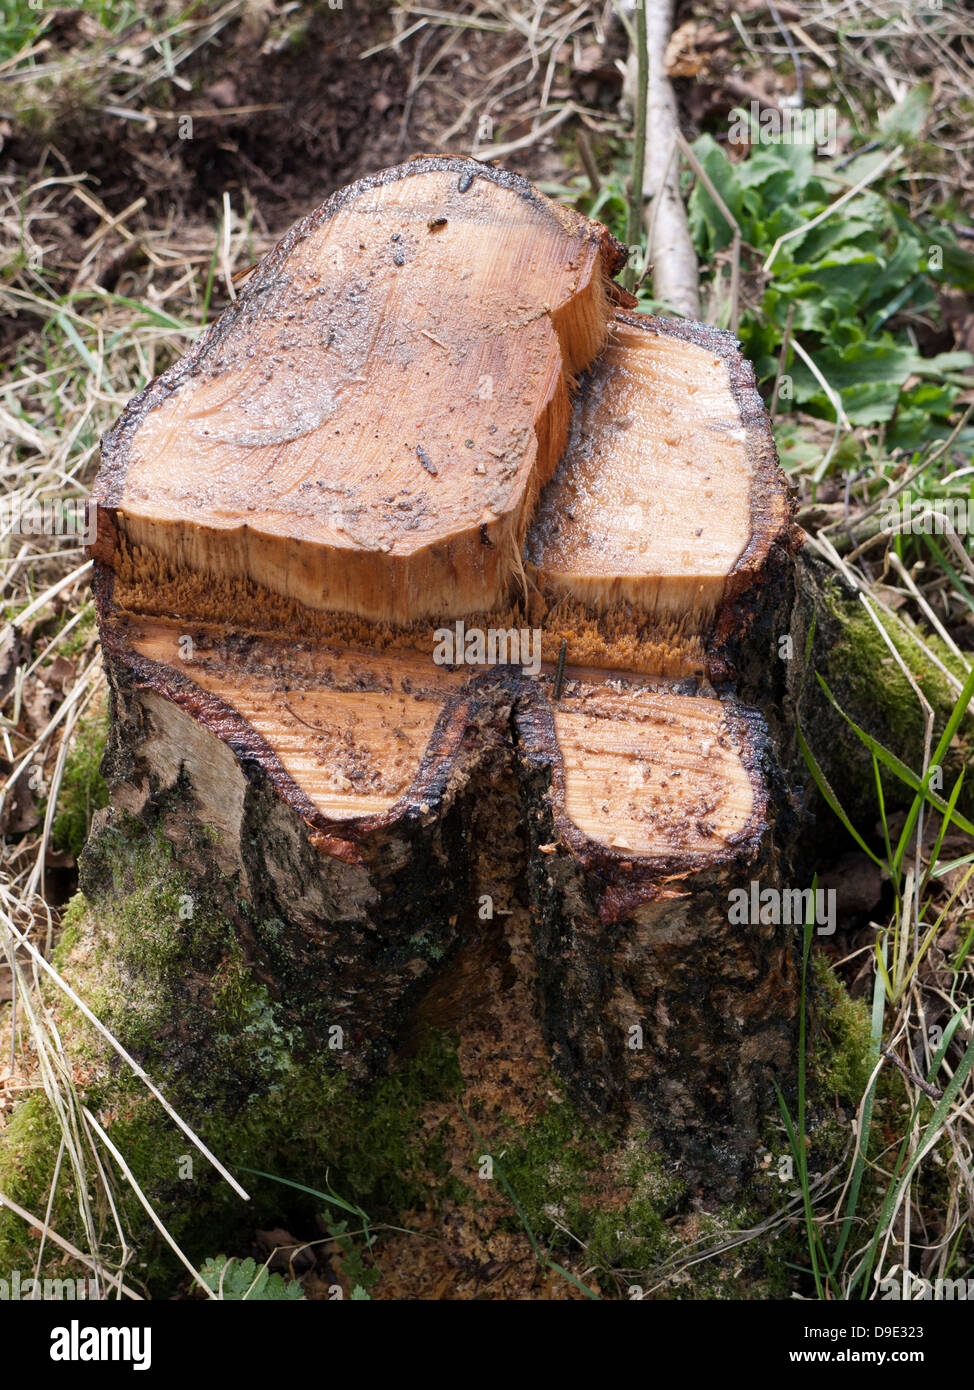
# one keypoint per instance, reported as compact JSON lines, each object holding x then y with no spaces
{"x":75,"y":353}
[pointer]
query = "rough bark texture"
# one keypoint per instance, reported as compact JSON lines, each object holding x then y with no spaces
{"x":653,"y":1006}
{"x":634,"y":789}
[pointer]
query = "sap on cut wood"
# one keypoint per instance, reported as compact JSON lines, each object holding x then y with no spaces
{"x":427,"y":413}
{"x":366,"y":430}
{"x":664,"y":485}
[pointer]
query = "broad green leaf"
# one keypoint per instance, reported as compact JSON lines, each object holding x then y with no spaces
{"x":906,"y":119}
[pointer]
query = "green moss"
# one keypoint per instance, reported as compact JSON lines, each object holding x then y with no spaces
{"x":840,"y":1052}
{"x":548,"y":1162}
{"x":306,"y":1122}
{"x":871,"y":687}
{"x":167,"y":974}
{"x":637,"y":1236}
{"x":172,"y":978}
{"x":83,"y":790}
{"x":578,"y":1183}
{"x":863,"y":654}
{"x":258,"y":1102}
{"x":310,"y":1126}
{"x":584,"y":1185}
{"x":365,"y":1144}
{"x":838,"y":1068}
{"x":29,"y":1147}
{"x":72,"y":921}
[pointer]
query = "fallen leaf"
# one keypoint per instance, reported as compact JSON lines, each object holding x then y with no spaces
{"x":39,"y":702}
{"x":61,"y":672}
{"x":222,"y":93}
{"x":857,"y":882}
{"x":13,"y":653}
{"x":19,"y":813}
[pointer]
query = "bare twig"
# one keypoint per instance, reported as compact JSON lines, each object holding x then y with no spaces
{"x":675,"y":274}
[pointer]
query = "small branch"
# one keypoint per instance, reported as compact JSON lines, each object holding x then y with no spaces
{"x":792,"y":50}
{"x":635,"y":222}
{"x":731,"y":221}
{"x":588,"y":161}
{"x":488,"y":152}
{"x":782,"y":360}
{"x":925,"y":1086}
{"x":225,"y":263}
{"x":560,"y":672}
{"x":668,"y":244}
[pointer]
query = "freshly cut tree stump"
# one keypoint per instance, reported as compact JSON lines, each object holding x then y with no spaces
{"x":669,"y":495}
{"x":301,"y":516}
{"x":367,"y":428}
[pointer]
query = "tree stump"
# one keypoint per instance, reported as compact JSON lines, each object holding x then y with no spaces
{"x":432,"y":558}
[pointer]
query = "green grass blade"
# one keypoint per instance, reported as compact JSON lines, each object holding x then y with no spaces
{"x":895,"y":1192}
{"x":945,"y":822}
{"x":328,"y":1197}
{"x":899,"y":768}
{"x":833,"y":801}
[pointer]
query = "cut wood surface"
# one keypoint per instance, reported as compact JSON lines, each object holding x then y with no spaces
{"x":669,"y":479}
{"x":343,"y":731}
{"x":367,"y":428}
{"x":352,"y":735}
{"x":292,"y":518}
{"x":652,"y":773}
{"x":667,"y":505}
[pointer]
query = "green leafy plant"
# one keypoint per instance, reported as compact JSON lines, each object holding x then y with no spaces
{"x":824,"y":292}
{"x":245,"y":1279}
{"x":361,"y":1275}
{"x":836,"y":281}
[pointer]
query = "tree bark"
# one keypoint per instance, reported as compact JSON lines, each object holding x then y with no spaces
{"x":366,"y":799}
{"x":669,"y":247}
